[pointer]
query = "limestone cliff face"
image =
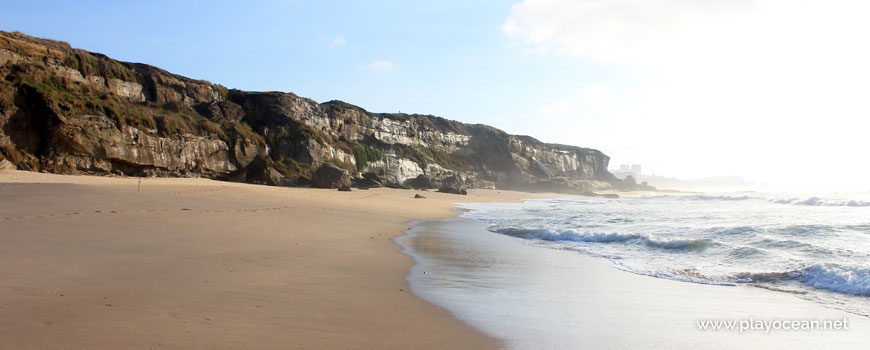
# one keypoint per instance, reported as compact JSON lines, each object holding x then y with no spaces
{"x":68,"y":110}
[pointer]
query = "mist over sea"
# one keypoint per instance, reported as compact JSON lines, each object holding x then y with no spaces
{"x":814,"y":247}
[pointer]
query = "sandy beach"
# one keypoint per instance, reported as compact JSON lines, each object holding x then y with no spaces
{"x":92,"y":262}
{"x":106,"y":262}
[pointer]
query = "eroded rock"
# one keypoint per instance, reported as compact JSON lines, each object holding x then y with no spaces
{"x":330,"y":176}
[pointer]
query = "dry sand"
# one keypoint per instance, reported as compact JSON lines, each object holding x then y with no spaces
{"x":90,"y":262}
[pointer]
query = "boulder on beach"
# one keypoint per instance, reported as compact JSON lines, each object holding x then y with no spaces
{"x":453,"y":184}
{"x":421,"y":182}
{"x":330,"y":176}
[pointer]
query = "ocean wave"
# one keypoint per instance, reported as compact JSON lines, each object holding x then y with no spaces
{"x":784,"y":244}
{"x":602,"y":237}
{"x":865,"y":228}
{"x":678,"y":244}
{"x":723,"y":198}
{"x":821,"y":202}
{"x":804,"y":230}
{"x":787,"y":242}
{"x":838,"y":278}
{"x":789,"y":230}
{"x":761,"y":277}
{"x":697,"y":197}
{"x":788,"y":245}
{"x":745,"y":253}
{"x":733,"y":230}
{"x":832,"y":277}
{"x":572,"y":236}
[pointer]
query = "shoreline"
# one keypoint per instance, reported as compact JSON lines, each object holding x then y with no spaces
{"x":532,"y":296}
{"x":90,"y":262}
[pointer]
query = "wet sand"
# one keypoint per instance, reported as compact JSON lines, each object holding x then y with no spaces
{"x":92,"y":263}
{"x":534,"y":297}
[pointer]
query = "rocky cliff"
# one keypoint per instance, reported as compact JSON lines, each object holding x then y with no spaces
{"x":66,"y":110}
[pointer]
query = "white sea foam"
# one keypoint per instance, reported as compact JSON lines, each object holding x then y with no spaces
{"x":837,"y":278}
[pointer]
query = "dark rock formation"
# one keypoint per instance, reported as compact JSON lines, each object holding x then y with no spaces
{"x":330,"y":176}
{"x":453,"y":184}
{"x":369,"y":180}
{"x":67,"y":110}
{"x":421,"y":182}
{"x":453,"y":190}
{"x":221,"y":110}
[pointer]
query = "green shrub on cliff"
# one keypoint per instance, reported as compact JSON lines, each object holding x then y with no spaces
{"x":222,"y":91}
{"x":365,"y":154}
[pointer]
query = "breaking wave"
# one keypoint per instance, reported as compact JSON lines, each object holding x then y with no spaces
{"x":837,"y":278}
{"x":833,"y":277}
{"x":698,"y":197}
{"x":817,"y":201}
{"x":596,"y":237}
{"x":551,"y":235}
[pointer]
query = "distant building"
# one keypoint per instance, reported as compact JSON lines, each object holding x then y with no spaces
{"x":625,"y":170}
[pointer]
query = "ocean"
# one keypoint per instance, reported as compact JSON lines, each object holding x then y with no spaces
{"x":814,"y":248}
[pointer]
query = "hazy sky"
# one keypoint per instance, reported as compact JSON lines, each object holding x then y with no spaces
{"x":773,"y":90}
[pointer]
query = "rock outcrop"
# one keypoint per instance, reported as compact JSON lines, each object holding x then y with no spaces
{"x":421,"y":182}
{"x":331,"y":176}
{"x":454,"y":184}
{"x":67,"y":110}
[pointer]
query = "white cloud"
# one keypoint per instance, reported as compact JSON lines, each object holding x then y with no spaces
{"x":337,"y":42}
{"x":615,"y":29}
{"x":382,"y":66}
{"x":752,"y":87}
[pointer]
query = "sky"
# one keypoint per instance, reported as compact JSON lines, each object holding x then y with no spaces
{"x":775,"y":91}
